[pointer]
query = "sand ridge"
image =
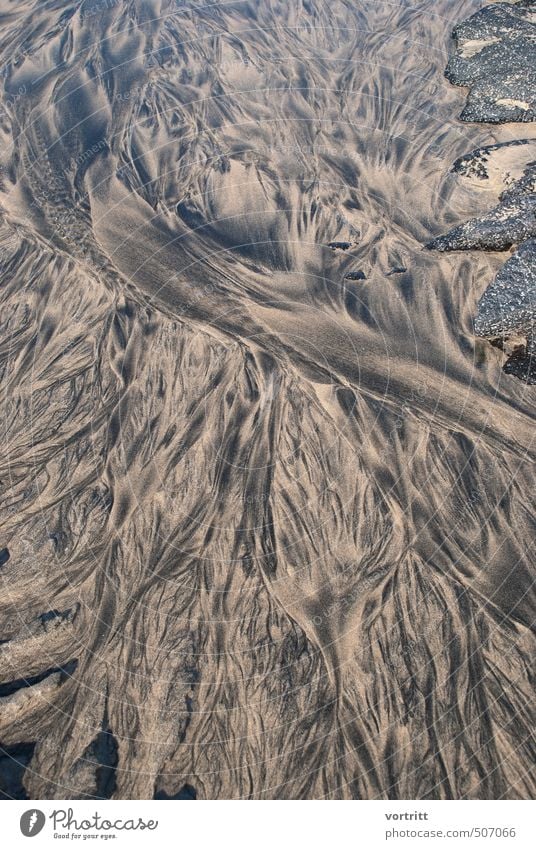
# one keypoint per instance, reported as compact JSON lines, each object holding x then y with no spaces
{"x":278,"y":521}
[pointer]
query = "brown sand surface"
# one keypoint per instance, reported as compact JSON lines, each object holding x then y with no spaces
{"x":267,"y":529}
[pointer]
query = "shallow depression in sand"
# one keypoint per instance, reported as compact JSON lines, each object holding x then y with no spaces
{"x":266,"y":499}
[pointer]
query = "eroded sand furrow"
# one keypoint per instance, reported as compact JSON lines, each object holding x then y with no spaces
{"x":285,"y":511}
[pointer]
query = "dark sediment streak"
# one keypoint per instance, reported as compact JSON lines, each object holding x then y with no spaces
{"x":279,"y":515}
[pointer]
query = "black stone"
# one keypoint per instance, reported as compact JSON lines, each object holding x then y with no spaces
{"x":508,"y":306}
{"x":475,"y":164}
{"x":496,"y":57}
{"x":341,"y":246}
{"x":512,"y":221}
{"x":501,"y":74}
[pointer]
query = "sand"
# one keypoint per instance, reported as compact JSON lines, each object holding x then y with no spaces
{"x":268,"y":529}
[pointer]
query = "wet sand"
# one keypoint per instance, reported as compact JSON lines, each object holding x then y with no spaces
{"x":268,"y":529}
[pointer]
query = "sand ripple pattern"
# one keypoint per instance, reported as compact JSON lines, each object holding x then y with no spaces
{"x":266,"y":524}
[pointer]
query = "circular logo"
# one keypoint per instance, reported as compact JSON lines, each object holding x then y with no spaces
{"x":32,"y":822}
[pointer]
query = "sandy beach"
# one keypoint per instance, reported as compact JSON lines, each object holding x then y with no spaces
{"x":267,"y":504}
